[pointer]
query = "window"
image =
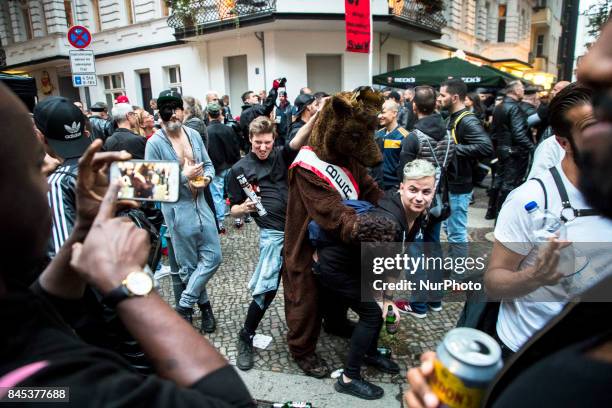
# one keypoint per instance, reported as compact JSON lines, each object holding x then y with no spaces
{"x":164,"y":9}
{"x":501,"y":24}
{"x":69,"y":13}
{"x":540,"y":46}
{"x":113,"y":87}
{"x":129,"y":11}
{"x":393,"y":62}
{"x":174,"y":79}
{"x":95,"y":11}
{"x":26,"y":16}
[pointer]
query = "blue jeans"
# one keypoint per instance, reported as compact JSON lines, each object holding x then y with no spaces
{"x":431,"y":236}
{"x":457,"y":225}
{"x":216,"y":189}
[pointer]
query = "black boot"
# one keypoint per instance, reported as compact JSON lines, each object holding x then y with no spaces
{"x":244,"y":361}
{"x":209,"y":324}
{"x":492,"y":207}
{"x":185,"y":312}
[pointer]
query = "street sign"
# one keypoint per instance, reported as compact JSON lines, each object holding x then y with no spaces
{"x":84,"y":80}
{"x":83,"y":67}
{"x":82,"y":62}
{"x":79,"y":37}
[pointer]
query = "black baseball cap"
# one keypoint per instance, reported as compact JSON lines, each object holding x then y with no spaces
{"x":301,"y":102}
{"x":169,"y":95}
{"x":63,"y":125}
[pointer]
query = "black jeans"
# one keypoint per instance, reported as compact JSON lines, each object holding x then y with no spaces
{"x":339,"y":271}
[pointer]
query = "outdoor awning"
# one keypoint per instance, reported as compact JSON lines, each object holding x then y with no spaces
{"x":435,"y":72}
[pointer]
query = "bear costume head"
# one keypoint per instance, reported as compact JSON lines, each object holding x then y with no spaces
{"x":346,"y":126}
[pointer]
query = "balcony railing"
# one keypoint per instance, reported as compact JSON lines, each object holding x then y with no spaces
{"x":425,"y":13}
{"x":201,"y":14}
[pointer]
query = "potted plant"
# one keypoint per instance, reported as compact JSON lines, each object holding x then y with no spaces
{"x":431,"y":6}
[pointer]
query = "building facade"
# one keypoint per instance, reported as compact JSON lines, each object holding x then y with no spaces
{"x":145,"y":46}
{"x":225,"y":45}
{"x":520,"y":37}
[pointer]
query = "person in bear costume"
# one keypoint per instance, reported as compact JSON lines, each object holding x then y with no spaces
{"x":343,"y":137}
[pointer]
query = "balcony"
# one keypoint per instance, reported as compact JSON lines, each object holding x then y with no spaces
{"x":542,"y":18}
{"x":200,"y":15}
{"x":195,"y":17}
{"x":424,"y":13}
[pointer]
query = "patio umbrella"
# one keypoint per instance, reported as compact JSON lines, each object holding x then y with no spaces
{"x":435,"y":72}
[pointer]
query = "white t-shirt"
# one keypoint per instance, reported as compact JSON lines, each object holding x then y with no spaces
{"x":549,"y":153}
{"x":520,"y":318}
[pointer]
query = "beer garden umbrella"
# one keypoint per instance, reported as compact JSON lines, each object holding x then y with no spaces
{"x":435,"y":72}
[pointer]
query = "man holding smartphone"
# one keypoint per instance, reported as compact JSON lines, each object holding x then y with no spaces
{"x":190,"y":220}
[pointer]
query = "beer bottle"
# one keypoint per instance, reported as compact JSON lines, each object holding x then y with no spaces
{"x":391,"y":321}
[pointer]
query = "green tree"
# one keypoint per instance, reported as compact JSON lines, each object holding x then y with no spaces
{"x":598,"y":15}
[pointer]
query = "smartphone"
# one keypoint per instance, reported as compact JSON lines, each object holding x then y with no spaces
{"x":147,"y":180}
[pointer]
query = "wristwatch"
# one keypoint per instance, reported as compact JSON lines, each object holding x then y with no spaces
{"x":137,"y":283}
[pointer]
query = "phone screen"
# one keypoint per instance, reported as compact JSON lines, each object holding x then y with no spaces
{"x":147,"y":180}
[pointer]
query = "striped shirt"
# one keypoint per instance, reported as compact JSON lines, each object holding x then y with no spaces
{"x":62,"y":201}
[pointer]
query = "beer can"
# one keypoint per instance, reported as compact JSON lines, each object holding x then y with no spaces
{"x":467,"y":360}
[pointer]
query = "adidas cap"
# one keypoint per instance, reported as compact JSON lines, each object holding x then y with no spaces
{"x":63,"y":125}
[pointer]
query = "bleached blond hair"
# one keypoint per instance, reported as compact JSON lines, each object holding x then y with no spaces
{"x":417,"y":169}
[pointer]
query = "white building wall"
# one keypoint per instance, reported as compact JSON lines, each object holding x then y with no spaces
{"x":110,"y":14}
{"x":193,"y":71}
{"x":56,"y":16}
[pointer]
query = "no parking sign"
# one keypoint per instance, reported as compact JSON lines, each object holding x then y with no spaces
{"x":79,"y":37}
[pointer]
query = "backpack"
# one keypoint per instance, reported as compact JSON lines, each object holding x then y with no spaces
{"x":440,"y":205}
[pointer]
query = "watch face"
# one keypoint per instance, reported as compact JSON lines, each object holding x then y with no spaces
{"x":139,"y":283}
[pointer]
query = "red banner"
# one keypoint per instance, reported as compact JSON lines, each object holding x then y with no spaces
{"x":357,"y":25}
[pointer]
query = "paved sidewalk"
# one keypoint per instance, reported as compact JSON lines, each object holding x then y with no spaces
{"x":275,"y":376}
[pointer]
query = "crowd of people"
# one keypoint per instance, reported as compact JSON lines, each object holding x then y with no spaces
{"x":319,"y":178}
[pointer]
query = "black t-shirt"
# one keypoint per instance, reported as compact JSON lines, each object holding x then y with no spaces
{"x":33,"y":332}
{"x":269,"y":180}
{"x":567,"y":378}
{"x":125,"y":139}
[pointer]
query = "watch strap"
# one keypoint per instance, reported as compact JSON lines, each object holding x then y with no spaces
{"x":115,"y":296}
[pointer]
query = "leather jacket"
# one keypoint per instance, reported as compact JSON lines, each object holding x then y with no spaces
{"x":473,"y":143}
{"x":510,"y":131}
{"x":100,"y":128}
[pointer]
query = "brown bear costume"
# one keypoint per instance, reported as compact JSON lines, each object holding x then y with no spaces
{"x":343,"y":135}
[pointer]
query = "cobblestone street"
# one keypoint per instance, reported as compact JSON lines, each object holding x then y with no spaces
{"x":230,"y":300}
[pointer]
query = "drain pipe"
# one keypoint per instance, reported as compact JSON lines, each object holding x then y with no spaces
{"x":382,"y":42}
{"x":260,"y":36}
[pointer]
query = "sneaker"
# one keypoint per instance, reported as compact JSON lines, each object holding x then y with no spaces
{"x":381,"y":363}
{"x":404,"y":307}
{"x":359,"y":388}
{"x":248,"y":219}
{"x":244,"y":361}
{"x":238,"y":223}
{"x":436,"y":307}
{"x":222,"y":231}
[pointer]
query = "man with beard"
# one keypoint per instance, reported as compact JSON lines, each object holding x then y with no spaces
{"x":517,"y":271}
{"x":190,"y":220}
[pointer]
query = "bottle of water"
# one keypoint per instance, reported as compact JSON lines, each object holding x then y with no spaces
{"x":545,"y":224}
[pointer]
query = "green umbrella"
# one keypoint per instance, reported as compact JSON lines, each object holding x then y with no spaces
{"x":435,"y":72}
